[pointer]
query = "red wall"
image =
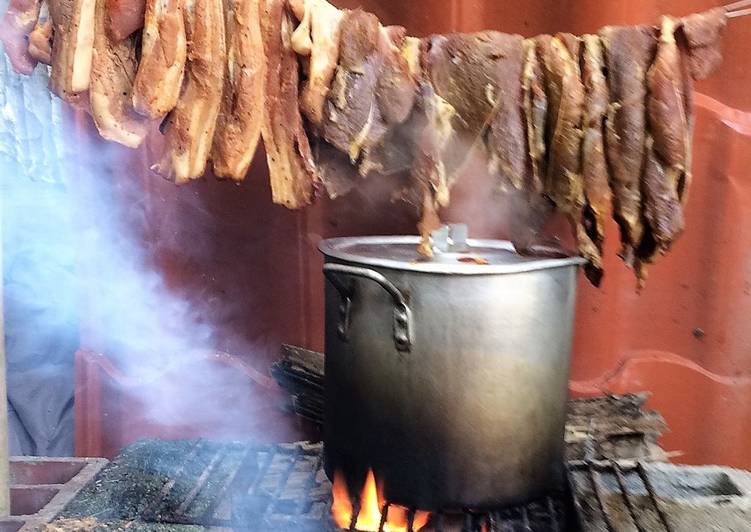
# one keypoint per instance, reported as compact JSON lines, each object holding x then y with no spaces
{"x":231,"y":244}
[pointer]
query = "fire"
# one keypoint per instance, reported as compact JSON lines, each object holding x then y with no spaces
{"x":371,"y":503}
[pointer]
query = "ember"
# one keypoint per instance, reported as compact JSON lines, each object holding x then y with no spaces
{"x":371,"y":501}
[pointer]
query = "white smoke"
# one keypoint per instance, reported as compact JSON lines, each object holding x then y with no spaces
{"x":163,"y":339}
{"x":76,"y":236}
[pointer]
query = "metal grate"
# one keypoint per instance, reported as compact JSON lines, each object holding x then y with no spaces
{"x":287,"y":490}
{"x":278,"y":487}
{"x":290,"y":491}
{"x":197,"y":497}
{"x":283,"y":488}
{"x":264,"y":488}
{"x":619,"y":495}
{"x":547,"y":515}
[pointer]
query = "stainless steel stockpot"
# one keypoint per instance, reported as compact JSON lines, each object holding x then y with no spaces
{"x":448,"y":377}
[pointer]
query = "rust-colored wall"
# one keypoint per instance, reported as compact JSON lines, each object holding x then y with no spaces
{"x":684,"y":338}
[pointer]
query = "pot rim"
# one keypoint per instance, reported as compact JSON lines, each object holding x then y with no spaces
{"x":557,"y":257}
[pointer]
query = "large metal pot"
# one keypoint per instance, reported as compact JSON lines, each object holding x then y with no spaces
{"x":447,"y":377}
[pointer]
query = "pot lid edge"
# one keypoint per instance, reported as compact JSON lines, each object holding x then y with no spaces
{"x":331,"y":247}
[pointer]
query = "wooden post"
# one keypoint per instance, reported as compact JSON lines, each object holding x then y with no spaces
{"x":4,"y":464}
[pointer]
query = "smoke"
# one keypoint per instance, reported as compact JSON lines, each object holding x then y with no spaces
{"x":163,"y":338}
{"x":128,"y":307}
{"x":390,"y":194}
{"x":79,"y":257}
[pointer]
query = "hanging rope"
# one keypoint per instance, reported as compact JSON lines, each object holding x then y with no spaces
{"x":738,"y":9}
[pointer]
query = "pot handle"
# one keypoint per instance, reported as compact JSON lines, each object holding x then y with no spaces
{"x":402,"y":313}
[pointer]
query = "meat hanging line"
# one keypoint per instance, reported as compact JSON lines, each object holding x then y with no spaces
{"x":741,"y":13}
{"x":737,"y":5}
{"x":525,"y":141}
{"x":738,"y":9}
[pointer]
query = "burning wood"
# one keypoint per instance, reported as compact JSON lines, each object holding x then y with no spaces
{"x":374,"y":514}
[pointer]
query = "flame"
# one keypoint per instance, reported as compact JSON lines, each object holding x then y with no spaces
{"x":341,"y":507}
{"x":371,"y":503}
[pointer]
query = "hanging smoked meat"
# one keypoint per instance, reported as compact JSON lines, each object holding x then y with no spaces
{"x":239,"y":125}
{"x":703,"y":33}
{"x":72,"y":46}
{"x":113,"y":69}
{"x":561,"y":122}
{"x":564,"y":183}
{"x":353,"y":120}
{"x":699,"y":38}
{"x":535,"y":102}
{"x":667,"y":149}
{"x":397,"y":97}
{"x":40,"y":38}
{"x":688,"y":48}
{"x":629,"y":51}
{"x":372,"y":94}
{"x":159,"y":78}
{"x":597,"y":196}
{"x":317,"y":37}
{"x":189,"y":128}
{"x":506,"y":136}
{"x":530,"y":208}
{"x":479,"y":75}
{"x":123,"y":18}
{"x":17,"y":23}
{"x":291,"y":164}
